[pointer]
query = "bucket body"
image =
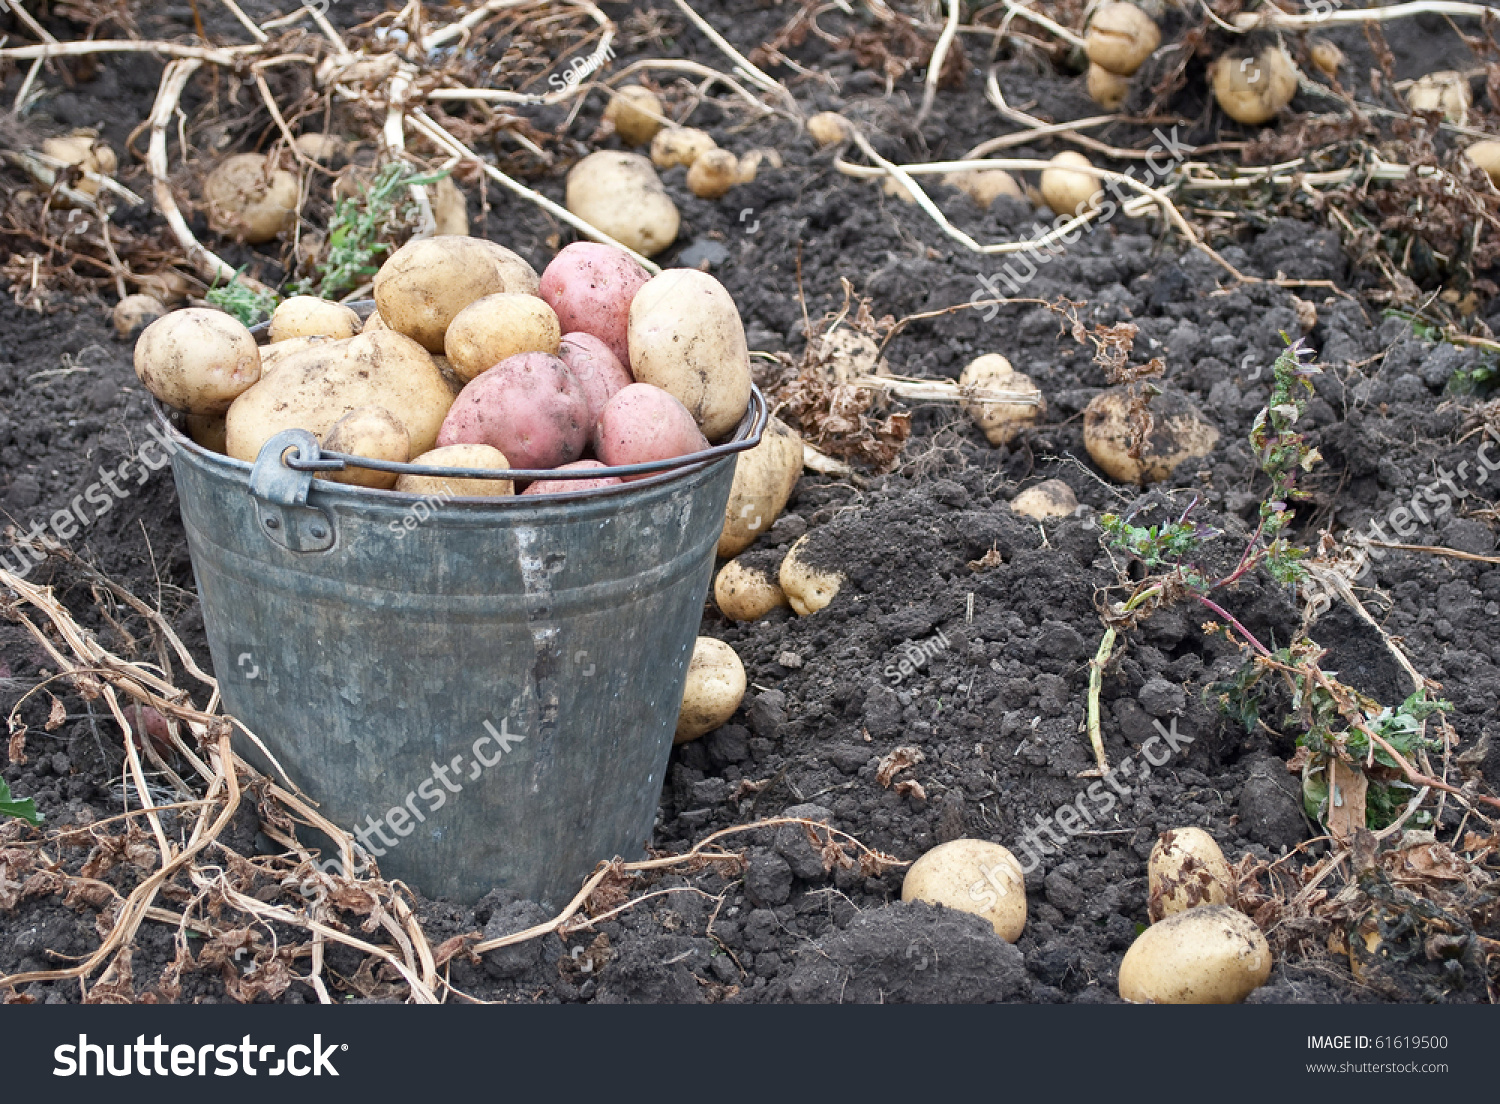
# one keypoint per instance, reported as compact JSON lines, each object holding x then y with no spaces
{"x":483,"y":690}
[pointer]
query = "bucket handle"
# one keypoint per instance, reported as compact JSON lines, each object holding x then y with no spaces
{"x":280,"y":493}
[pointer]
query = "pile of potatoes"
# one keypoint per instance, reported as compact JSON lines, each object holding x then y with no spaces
{"x":1118,"y":40}
{"x":1199,"y":949}
{"x":620,"y":193}
{"x":471,"y":360}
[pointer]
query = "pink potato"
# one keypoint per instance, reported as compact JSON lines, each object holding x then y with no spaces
{"x":589,"y":286}
{"x":528,"y":406}
{"x":597,"y":369}
{"x":563,"y":486}
{"x":644,"y":423}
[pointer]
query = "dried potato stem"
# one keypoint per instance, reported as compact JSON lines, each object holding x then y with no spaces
{"x":1273,"y":18}
{"x":227,"y":55}
{"x":245,"y":21}
{"x":393,"y":137}
{"x":452,"y":146}
{"x":173,"y":79}
{"x":696,"y":852}
{"x":746,"y":68}
{"x":404,"y":929}
{"x":935,"y":63}
{"x":943,"y":390}
{"x":1072,"y":38}
{"x":1037,"y":128}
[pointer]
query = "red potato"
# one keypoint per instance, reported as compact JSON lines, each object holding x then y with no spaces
{"x":563,"y":486}
{"x":644,"y":423}
{"x":590,"y":286}
{"x":528,"y":406}
{"x":597,"y":370}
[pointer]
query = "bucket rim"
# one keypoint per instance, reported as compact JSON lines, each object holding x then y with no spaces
{"x":310,"y":459}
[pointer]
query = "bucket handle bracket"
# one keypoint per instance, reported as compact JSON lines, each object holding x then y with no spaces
{"x":280,"y":494}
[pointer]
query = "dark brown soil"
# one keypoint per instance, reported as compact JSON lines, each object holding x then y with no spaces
{"x":996,"y":709}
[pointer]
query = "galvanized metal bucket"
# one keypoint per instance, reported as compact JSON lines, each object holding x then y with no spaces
{"x":484,"y":690}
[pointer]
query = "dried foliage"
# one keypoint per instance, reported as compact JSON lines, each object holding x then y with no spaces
{"x":836,"y":416}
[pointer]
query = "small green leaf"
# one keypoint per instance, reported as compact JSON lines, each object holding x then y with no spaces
{"x":22,"y":809}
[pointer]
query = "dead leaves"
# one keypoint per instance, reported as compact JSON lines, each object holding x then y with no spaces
{"x":1347,"y":785}
{"x":837,"y":420}
{"x":836,"y":416}
{"x":896,"y":762}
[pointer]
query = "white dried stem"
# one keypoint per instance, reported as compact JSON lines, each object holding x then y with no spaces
{"x":453,"y":147}
{"x":224,"y":56}
{"x":935,"y":63}
{"x":1072,"y":38}
{"x":1272,"y":18}
{"x":173,"y":79}
{"x":393,"y":136}
{"x":246,"y":22}
{"x":741,"y":62}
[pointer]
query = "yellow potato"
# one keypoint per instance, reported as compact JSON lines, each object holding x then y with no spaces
{"x":309,"y":316}
{"x":1000,"y":421}
{"x":515,"y":272}
{"x":459,"y":456}
{"x":620,"y":194}
{"x":273,"y":356}
{"x":84,"y":149}
{"x":168,"y":285}
{"x":827,"y":128}
{"x":636,"y":113}
{"x":373,"y":432}
{"x":1107,"y":89}
{"x":1120,"y":37}
{"x":747,"y":590}
{"x":497,"y":326}
{"x":1445,"y":91}
{"x":198,"y":360}
{"x":1186,"y":870}
{"x":1208,"y":955}
{"x":1252,"y":90}
{"x":314,"y":388}
{"x":764,"y":478}
{"x":1070,"y":188}
{"x":319,"y":147}
{"x":207,"y":431}
{"x":1486,"y":155}
{"x":713,"y":173}
{"x":808,"y":587}
{"x":374,"y":322}
{"x":1178,"y":433}
{"x":715,"y":687}
{"x":685,"y":336}
{"x":250,"y":200}
{"x":679,"y":146}
{"x":896,"y":189}
{"x":427,"y":281}
{"x":973,"y":876}
{"x":1326,"y":57}
{"x":984,"y":186}
{"x":450,"y":210}
{"x":1052,"y":498}
{"x":751,"y":162}
{"x":134,"y":313}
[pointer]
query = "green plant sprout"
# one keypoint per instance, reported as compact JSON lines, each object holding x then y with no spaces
{"x":358,"y":229}
{"x":1337,"y":722}
{"x":248,"y":304}
{"x":20,"y":808}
